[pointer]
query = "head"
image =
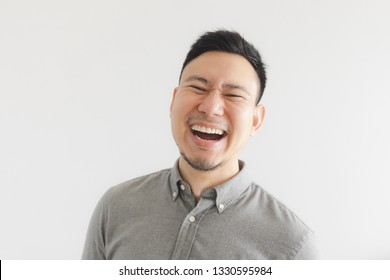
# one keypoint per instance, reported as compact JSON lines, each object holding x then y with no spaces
{"x":215,"y":108}
{"x":230,"y":42}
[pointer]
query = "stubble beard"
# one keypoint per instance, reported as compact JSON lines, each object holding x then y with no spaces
{"x":201,"y":164}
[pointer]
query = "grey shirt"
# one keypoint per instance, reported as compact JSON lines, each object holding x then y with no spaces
{"x":156,"y":217}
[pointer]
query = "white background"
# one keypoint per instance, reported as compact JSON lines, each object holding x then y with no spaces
{"x":85,"y":88}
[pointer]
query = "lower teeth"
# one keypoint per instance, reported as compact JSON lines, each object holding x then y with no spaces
{"x":207,"y":137}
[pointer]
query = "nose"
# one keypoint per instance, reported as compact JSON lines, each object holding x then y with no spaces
{"x":212,"y":104}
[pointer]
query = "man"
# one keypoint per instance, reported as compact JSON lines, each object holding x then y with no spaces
{"x":206,"y":206}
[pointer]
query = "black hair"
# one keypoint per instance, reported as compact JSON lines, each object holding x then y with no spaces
{"x":231,"y":42}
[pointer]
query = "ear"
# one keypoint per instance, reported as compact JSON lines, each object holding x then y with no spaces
{"x":173,"y":98}
{"x":258,"y":117}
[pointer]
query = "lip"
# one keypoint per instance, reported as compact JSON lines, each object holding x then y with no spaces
{"x":206,"y":144}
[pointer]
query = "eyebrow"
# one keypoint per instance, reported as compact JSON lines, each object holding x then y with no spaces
{"x":197,"y":78}
{"x":205,"y":81}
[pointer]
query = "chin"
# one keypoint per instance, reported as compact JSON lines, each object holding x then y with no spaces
{"x":202,"y":164}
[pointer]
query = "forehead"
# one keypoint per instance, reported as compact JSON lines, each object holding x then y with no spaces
{"x":222,"y":67}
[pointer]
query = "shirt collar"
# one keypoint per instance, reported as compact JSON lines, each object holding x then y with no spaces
{"x":223,"y":195}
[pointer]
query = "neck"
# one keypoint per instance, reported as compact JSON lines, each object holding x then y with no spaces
{"x":201,"y":180}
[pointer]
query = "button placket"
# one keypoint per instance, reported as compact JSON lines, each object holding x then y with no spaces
{"x":190,"y":225}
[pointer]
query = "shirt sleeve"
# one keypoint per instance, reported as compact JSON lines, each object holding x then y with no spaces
{"x":309,"y":250}
{"x":94,"y":247}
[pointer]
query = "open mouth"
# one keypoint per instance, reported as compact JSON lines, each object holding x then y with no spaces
{"x":208,"y":134}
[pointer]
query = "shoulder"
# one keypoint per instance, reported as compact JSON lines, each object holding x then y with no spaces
{"x":137,"y":186}
{"x":272,"y":206}
{"x":289,"y":231}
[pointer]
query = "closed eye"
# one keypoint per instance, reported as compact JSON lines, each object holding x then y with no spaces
{"x":234,"y":96}
{"x":198,"y":88}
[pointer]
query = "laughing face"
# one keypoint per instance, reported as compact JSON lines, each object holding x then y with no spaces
{"x":213,"y":110}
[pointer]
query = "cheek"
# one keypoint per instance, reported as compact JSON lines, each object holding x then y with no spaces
{"x":175,"y":107}
{"x":243,"y":122}
{"x":177,"y":114}
{"x":183,"y":106}
{"x":178,"y":117}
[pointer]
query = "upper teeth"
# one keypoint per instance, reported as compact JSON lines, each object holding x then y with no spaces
{"x":207,"y":129}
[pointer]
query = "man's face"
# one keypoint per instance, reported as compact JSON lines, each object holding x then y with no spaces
{"x":213,"y":111}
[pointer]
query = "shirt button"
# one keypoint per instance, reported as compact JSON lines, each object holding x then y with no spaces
{"x":174,"y":194}
{"x":182,"y":187}
{"x":192,"y":219}
{"x":221,"y":206}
